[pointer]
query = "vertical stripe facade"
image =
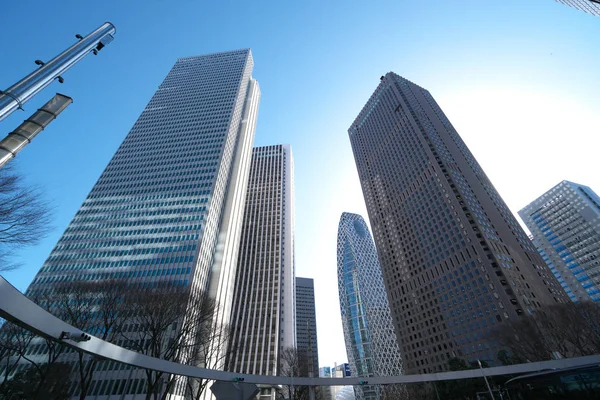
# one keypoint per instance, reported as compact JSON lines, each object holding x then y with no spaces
{"x":263,"y":305}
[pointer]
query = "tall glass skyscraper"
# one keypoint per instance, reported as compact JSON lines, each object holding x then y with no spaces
{"x":169,"y":205}
{"x":455,"y":261}
{"x":565,"y":224}
{"x":263,"y":321}
{"x":368,"y":328}
{"x":589,"y":6}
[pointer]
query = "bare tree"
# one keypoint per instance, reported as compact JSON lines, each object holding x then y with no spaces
{"x":591,"y":315}
{"x":524,"y":338}
{"x":395,"y":392}
{"x":167,"y":322}
{"x":99,"y":308}
{"x":571,"y":330}
{"x":14,"y":342}
{"x":53,"y":349}
{"x":211,"y":354}
{"x":294,"y":363}
{"x":24,"y":216}
{"x":25,"y":384}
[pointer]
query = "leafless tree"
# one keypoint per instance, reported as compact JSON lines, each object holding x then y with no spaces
{"x":421,"y":391}
{"x":98,"y":308}
{"x":53,"y":349}
{"x":15,"y":349}
{"x":591,"y":315}
{"x":525,"y":338}
{"x":294,"y":363}
{"x":24,"y":216}
{"x":167,"y":322}
{"x":571,"y":330}
{"x":14,"y":342}
{"x":395,"y":392}
{"x":212,"y":354}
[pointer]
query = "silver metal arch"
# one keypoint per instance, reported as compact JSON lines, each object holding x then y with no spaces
{"x":17,"y":308}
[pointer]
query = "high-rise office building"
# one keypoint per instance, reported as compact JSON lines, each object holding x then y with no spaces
{"x":169,"y":205}
{"x":589,"y":6}
{"x":565,"y":225}
{"x":371,"y":343}
{"x":455,"y":261}
{"x":263,"y":322}
{"x":306,"y":322}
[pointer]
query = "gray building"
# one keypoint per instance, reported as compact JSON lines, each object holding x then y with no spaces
{"x":263,"y":322}
{"x":169,"y":205}
{"x":306,"y":322}
{"x":589,"y":6}
{"x":455,"y":261}
{"x":369,"y":335}
{"x":565,"y":226}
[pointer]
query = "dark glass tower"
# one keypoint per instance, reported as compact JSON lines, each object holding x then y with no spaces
{"x":455,"y":261}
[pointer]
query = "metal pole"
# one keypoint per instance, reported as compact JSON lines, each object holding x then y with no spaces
{"x":18,"y":94}
{"x":24,"y":134}
{"x":437,"y":395}
{"x":485,"y":379}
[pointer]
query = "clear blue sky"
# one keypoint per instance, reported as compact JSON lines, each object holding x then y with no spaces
{"x":518,"y":79}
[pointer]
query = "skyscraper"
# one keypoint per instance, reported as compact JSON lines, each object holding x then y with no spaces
{"x":565,"y":224}
{"x":306,"y":322}
{"x":589,"y":6}
{"x":263,"y":321}
{"x":455,"y":261}
{"x":169,"y":205}
{"x":368,"y":328}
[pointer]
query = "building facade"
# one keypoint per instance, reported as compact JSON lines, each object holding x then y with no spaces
{"x":565,"y":226}
{"x":263,"y":321}
{"x":589,"y":6}
{"x":306,"y":322}
{"x":455,"y":261}
{"x":169,"y":205}
{"x":369,"y":335}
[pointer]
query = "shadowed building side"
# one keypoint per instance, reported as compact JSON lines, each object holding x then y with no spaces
{"x":455,"y":261}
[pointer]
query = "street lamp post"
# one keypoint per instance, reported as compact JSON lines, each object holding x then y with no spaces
{"x":485,"y":379}
{"x":18,"y":94}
